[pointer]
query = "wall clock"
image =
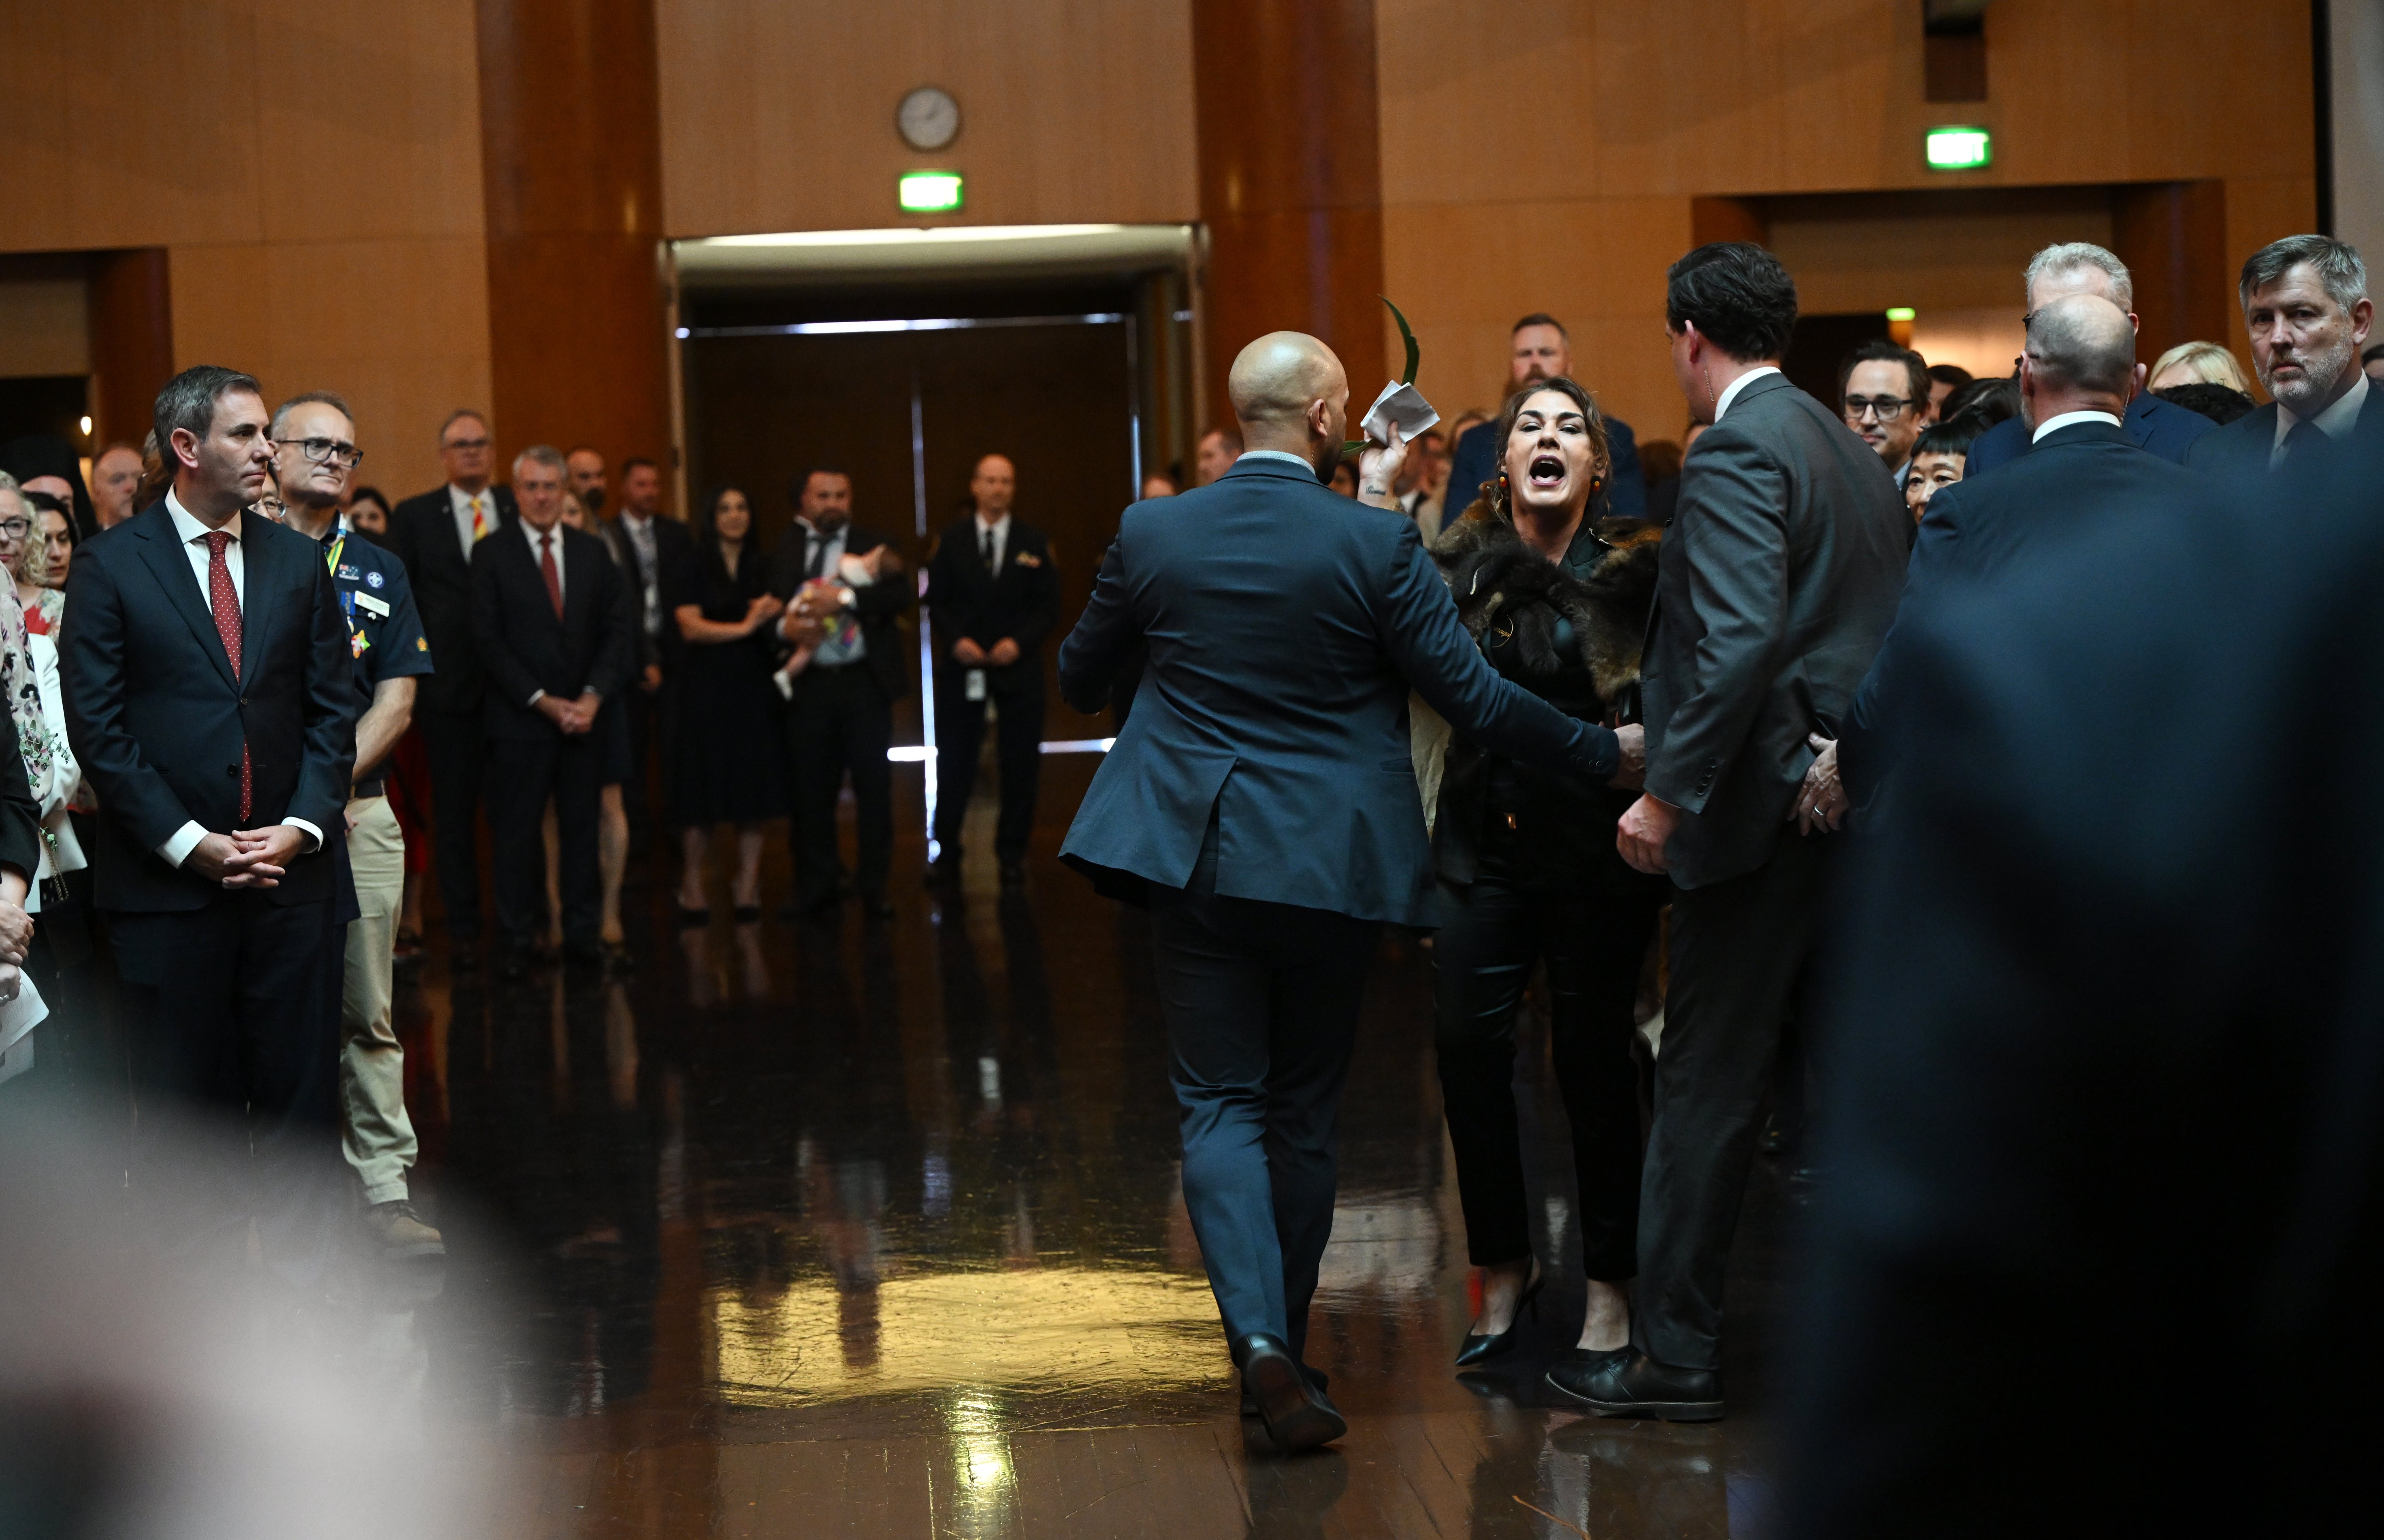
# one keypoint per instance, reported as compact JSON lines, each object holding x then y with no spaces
{"x":928,"y":118}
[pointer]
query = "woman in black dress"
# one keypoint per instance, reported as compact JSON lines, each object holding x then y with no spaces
{"x":724,"y":752}
{"x":1529,"y":873}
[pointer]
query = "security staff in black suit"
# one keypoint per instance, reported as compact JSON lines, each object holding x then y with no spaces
{"x":435,"y":534}
{"x":840,"y":710}
{"x":1777,"y":581}
{"x":2082,"y":468}
{"x":2306,"y":307}
{"x":2106,"y":1106}
{"x":993,"y":591}
{"x":648,"y":545}
{"x":556,"y":626}
{"x":208,"y":696}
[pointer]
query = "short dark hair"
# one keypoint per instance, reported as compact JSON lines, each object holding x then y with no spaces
{"x":46,"y":502}
{"x":1989,"y":400}
{"x":312,"y":398}
{"x":803,"y":479}
{"x":1500,"y":504}
{"x":633,"y":462}
{"x":2339,"y":270}
{"x":1737,"y":295}
{"x":2221,"y":403}
{"x":1949,"y":374}
{"x":1953,"y":436}
{"x":375,"y":493}
{"x":1540,"y":318}
{"x":188,"y":402}
{"x":1880,"y":349}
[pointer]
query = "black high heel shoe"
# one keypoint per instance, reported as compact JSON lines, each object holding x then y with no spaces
{"x":1477,"y":1348}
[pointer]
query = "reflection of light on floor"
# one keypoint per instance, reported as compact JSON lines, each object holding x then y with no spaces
{"x":1383,"y":1243}
{"x":983,"y":1476}
{"x":1041,"y":1330}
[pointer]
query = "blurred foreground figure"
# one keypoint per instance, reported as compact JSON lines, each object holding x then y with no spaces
{"x":2109,"y":1172}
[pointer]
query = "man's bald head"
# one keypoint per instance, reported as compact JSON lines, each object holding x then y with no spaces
{"x":1278,"y":377}
{"x":2083,"y":343}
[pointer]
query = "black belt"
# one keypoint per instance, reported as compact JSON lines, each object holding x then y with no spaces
{"x":377,"y":786}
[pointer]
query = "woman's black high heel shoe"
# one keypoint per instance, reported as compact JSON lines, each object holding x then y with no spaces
{"x":1477,"y":1348}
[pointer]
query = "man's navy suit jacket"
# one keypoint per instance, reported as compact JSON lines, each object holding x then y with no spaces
{"x":2243,"y":446}
{"x":2081,"y":477}
{"x":157,"y":718}
{"x":2157,"y":426}
{"x":1285,"y":625}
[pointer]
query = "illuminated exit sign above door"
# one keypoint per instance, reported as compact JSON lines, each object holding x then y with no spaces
{"x":1960,"y":149}
{"x":931,"y":191}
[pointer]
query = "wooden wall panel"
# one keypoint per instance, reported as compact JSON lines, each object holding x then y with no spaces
{"x":778,"y":115}
{"x":130,"y":317}
{"x":398,"y":327}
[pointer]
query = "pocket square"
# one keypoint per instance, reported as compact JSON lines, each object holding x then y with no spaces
{"x":1028,"y":559}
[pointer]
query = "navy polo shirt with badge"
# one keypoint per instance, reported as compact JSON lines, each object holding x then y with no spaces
{"x":384,"y":633}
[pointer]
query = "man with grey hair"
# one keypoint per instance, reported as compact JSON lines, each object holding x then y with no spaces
{"x":2150,"y":423}
{"x":2305,"y":304}
{"x":556,"y":627}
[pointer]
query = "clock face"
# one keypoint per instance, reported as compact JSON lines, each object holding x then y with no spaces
{"x":928,"y":118}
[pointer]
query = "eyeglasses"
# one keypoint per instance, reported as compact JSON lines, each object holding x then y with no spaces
{"x":322,"y":449}
{"x":15,"y":529}
{"x":1886,"y":408}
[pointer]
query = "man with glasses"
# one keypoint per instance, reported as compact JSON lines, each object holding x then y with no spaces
{"x":2082,"y":267}
{"x":315,"y":454}
{"x":1884,"y":393}
{"x":434,"y":536}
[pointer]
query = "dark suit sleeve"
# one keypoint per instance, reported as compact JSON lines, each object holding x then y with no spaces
{"x":1042,"y":609}
{"x":948,"y":609}
{"x":325,"y":773}
{"x":1626,"y":482}
{"x":1417,"y":627}
{"x":2001,"y":444}
{"x":1105,"y":634}
{"x":1735,"y":542}
{"x":1469,"y":467}
{"x":92,"y":679}
{"x":619,"y":633}
{"x":20,"y":816}
{"x":1866,"y":751}
{"x":514,"y":680}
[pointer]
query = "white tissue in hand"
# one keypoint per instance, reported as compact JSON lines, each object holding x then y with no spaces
{"x":1402,"y":405}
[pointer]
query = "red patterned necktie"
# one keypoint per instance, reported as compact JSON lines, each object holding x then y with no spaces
{"x":225,"y":599}
{"x":546,"y":570}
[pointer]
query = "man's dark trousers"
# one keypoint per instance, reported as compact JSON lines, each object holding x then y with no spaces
{"x":840,"y":723}
{"x":456,"y":745}
{"x":1261,"y":1004}
{"x":960,"y":737}
{"x":524,"y":772}
{"x":1740,"y":953}
{"x":195,"y":985}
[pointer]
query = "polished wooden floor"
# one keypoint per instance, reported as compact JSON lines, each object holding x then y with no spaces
{"x":876,"y":1231}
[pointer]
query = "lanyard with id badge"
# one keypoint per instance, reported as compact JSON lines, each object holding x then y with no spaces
{"x":351,"y":599}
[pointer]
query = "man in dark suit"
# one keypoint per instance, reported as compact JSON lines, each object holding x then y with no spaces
{"x":840,"y":715}
{"x":1260,"y":800}
{"x":1778,"y":576}
{"x":2105,"y":1121}
{"x":206,"y":677}
{"x":2305,"y":305}
{"x":1539,"y":348}
{"x":2080,"y":267}
{"x":2080,"y":470}
{"x":993,"y":591}
{"x":435,"y":534}
{"x":555,"y":623}
{"x":647,"y":546}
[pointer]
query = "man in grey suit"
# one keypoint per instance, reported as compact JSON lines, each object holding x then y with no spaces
{"x":1261,"y":801}
{"x":1779,"y":577}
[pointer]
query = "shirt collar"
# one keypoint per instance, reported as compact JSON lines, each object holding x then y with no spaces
{"x":1741,"y":383}
{"x":2336,"y":420}
{"x":840,"y":531}
{"x":2070,"y":419}
{"x":461,"y":499}
{"x":998,"y":526}
{"x":187,"y":527}
{"x":1284,"y":455}
{"x":531,"y":532}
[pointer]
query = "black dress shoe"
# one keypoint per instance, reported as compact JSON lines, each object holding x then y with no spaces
{"x":1636,"y":1386}
{"x":1575,"y":1367}
{"x":1295,"y":1414}
{"x":1316,"y":1377}
{"x":1477,"y":1348}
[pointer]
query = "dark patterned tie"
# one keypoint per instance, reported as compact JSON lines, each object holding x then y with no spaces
{"x":985,"y":549}
{"x":225,"y":600}
{"x":818,"y":565}
{"x":546,"y":568}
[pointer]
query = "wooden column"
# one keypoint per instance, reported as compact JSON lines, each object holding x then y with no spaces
{"x":2173,"y":238}
{"x":132,"y":342}
{"x":571,"y":173}
{"x":1291,"y":182}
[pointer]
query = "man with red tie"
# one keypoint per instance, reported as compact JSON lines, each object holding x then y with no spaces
{"x":556,"y":627}
{"x":208,"y":696}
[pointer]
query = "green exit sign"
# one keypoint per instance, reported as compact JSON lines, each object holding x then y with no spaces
{"x":1961,"y":148}
{"x":931,"y":191}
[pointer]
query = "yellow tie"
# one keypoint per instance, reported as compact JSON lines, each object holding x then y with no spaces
{"x":479,"y":522}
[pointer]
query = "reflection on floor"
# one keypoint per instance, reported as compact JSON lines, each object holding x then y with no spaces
{"x":875,"y":1229}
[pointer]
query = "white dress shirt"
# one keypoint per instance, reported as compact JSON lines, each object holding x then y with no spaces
{"x":1284,"y":455}
{"x":530,"y":534}
{"x":2335,"y":422}
{"x":1729,"y":393}
{"x":2055,"y":425}
{"x":460,"y":502}
{"x":640,"y":533}
{"x":1000,"y":528}
{"x":193,"y":536}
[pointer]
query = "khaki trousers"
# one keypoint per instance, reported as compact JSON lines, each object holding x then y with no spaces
{"x":377,"y":1135}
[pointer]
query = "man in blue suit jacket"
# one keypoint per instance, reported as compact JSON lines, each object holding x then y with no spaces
{"x":1260,"y":800}
{"x":2150,"y":423}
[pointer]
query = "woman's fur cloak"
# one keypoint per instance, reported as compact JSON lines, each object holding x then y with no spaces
{"x":1502,"y":585}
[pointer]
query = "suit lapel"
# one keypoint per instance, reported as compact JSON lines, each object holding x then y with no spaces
{"x":260,"y":606}
{"x":171,"y":567}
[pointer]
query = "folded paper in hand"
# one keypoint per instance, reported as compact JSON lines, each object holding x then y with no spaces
{"x":18,"y":1018}
{"x":1402,"y":405}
